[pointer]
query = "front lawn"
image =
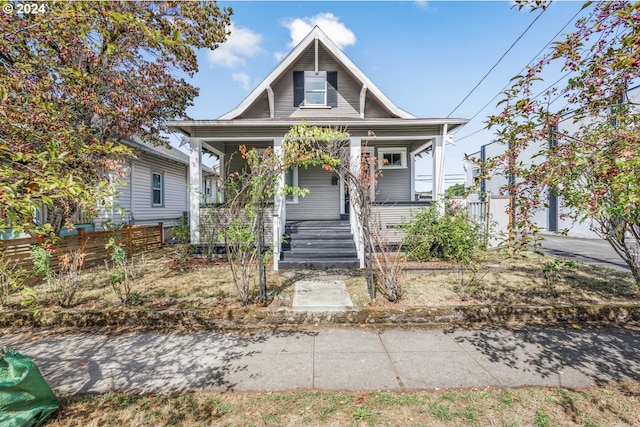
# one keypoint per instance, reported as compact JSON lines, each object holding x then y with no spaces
{"x":526,"y":279}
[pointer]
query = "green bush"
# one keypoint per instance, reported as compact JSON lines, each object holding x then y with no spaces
{"x":452,"y":236}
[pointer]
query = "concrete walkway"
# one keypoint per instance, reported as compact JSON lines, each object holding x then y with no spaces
{"x":331,"y":359}
{"x":321,"y":293}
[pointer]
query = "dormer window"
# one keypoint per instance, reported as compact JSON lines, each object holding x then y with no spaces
{"x":315,"y":89}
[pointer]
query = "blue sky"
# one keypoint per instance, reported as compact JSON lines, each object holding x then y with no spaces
{"x":426,"y":56}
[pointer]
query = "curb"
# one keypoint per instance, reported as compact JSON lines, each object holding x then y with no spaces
{"x":256,"y":317}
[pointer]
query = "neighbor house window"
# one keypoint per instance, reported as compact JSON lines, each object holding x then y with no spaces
{"x":311,"y":89}
{"x":291,"y":180}
{"x":392,"y":158}
{"x":157,"y":189}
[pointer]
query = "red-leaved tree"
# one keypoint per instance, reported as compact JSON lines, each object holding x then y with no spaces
{"x":586,"y":132}
{"x":78,"y":77}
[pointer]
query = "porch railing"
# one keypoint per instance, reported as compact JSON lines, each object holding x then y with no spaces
{"x":210,"y":224}
{"x":391,"y":215}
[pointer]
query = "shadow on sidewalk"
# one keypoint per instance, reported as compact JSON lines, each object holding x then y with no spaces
{"x":147,"y":362}
{"x":603,"y":355}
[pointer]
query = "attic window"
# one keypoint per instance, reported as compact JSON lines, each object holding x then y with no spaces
{"x":311,"y":89}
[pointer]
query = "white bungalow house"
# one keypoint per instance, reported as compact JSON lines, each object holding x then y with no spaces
{"x":319,"y":84}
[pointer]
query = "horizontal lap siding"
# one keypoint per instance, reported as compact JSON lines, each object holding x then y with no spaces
{"x":175,"y":191}
{"x":348,"y":89}
{"x":323,"y":200}
{"x":391,"y":217}
{"x":259,"y":110}
{"x":394,"y":185}
{"x":373,"y":110}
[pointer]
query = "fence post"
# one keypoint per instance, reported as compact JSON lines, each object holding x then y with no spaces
{"x":161,"y":234}
{"x":83,"y":245}
{"x":130,"y":241}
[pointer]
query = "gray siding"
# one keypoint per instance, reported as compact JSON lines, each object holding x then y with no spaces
{"x":373,"y":110}
{"x":394,"y":185}
{"x":391,"y":217}
{"x":259,"y":110}
{"x":323,"y":200}
{"x":348,"y":91}
{"x":141,"y":211}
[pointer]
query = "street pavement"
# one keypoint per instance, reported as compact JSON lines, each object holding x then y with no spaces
{"x":588,"y":251}
{"x":331,"y":359}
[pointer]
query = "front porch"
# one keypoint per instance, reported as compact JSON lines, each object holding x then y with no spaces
{"x":393,"y":144}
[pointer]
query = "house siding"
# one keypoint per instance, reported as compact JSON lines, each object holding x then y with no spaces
{"x":394,"y":185}
{"x":142,"y":212}
{"x":391,"y":217}
{"x":348,"y":92}
{"x":259,"y":110}
{"x":323,"y":200}
{"x":373,"y":110}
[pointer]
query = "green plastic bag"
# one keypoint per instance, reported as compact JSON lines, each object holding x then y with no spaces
{"x":26,"y":400}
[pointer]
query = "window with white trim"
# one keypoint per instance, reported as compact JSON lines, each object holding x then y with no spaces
{"x":392,"y":158}
{"x":315,"y":89}
{"x":291,"y":180}
{"x":157,"y":189}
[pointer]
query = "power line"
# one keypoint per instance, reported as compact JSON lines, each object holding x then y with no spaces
{"x":496,"y":64}
{"x":530,"y":62}
{"x":522,"y":70}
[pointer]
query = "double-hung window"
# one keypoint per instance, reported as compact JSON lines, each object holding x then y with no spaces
{"x":157,"y":189}
{"x":315,"y":89}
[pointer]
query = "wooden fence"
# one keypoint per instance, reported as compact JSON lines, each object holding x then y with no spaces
{"x":133,"y":239}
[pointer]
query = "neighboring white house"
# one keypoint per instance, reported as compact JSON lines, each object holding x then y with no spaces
{"x":553,"y":217}
{"x":156,"y":188}
{"x":319,"y":84}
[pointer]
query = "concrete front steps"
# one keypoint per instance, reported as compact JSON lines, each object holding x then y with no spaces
{"x":319,"y":245}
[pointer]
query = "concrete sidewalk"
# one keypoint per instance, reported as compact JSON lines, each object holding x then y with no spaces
{"x":331,"y":359}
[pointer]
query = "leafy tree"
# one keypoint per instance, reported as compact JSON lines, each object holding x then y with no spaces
{"x":75,"y":81}
{"x":456,"y":190}
{"x":595,"y":167}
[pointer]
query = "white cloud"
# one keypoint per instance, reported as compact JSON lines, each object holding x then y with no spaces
{"x":279,"y":55}
{"x":242,"y":78}
{"x":241,"y":44}
{"x":328,"y":23}
{"x":421,"y":3}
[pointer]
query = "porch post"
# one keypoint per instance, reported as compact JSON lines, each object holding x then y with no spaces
{"x":412,"y":160}
{"x":279,"y":207}
{"x":355,"y":146}
{"x":438,"y":166}
{"x":195,"y":182}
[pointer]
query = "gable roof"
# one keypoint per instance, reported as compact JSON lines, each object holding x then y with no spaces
{"x":338,"y":55}
{"x":163,"y":151}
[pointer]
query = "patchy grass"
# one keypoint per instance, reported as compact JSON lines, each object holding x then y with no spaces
{"x":164,"y":283}
{"x":596,"y":406}
{"x":511,"y":280}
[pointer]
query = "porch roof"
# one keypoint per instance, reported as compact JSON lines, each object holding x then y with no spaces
{"x":279,"y":126}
